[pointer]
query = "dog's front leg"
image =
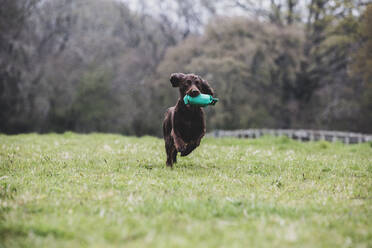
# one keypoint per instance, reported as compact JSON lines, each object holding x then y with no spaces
{"x":189,"y":148}
{"x":196,"y":143}
{"x":178,"y":142}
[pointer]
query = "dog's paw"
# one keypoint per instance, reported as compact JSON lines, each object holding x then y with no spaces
{"x":190,"y":147}
{"x":185,"y":152}
{"x":182,"y":148}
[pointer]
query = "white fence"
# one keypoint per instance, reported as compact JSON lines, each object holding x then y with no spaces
{"x":302,"y":135}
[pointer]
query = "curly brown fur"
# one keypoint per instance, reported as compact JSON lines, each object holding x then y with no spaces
{"x":184,"y":125}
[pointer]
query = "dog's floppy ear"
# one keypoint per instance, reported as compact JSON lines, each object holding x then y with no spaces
{"x":176,"y":79}
{"x":206,"y":88}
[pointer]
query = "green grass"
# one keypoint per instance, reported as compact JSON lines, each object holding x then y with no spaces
{"x":102,"y":190}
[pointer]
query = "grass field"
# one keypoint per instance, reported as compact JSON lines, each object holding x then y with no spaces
{"x":103,"y":190}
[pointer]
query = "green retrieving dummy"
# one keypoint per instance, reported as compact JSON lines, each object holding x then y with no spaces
{"x":201,"y":100}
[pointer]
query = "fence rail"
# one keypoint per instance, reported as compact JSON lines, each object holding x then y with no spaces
{"x":297,"y":134}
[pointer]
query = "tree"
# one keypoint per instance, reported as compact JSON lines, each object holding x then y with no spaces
{"x":63,"y":43}
{"x":323,"y":86}
{"x":13,"y":18}
{"x":362,"y":69}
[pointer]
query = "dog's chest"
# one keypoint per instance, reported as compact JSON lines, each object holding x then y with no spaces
{"x":189,"y":128}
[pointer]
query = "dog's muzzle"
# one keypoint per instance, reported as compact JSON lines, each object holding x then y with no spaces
{"x":193,"y":92}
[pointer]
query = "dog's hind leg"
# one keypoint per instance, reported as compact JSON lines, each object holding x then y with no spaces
{"x":168,"y":139}
{"x":169,"y":161}
{"x":174,"y":155}
{"x":171,"y":151}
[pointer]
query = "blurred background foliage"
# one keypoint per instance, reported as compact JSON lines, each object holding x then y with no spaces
{"x":104,"y":65}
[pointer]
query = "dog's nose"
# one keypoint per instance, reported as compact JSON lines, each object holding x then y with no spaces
{"x":194,"y":92}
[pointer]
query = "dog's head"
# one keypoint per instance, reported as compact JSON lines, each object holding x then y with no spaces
{"x":190,"y":84}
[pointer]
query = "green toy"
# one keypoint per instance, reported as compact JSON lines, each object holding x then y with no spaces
{"x":201,"y":100}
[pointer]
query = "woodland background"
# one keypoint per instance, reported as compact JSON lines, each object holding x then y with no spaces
{"x":104,"y":65}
